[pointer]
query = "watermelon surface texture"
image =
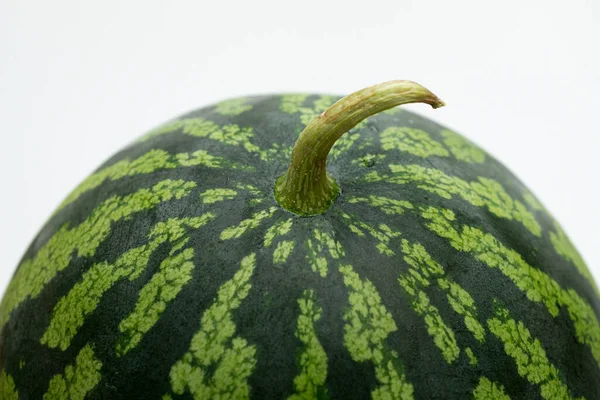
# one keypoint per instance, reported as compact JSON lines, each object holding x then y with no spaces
{"x":172,"y":272}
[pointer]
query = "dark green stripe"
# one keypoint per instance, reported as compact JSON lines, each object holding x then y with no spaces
{"x":78,"y":380}
{"x":529,"y":355}
{"x":538,"y":286}
{"x":215,"y":347}
{"x":484,"y":192}
{"x":56,"y":254}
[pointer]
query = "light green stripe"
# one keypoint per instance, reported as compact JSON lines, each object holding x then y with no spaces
{"x":367,"y":142}
{"x":293,"y":104}
{"x":8,"y":390}
{"x":529,"y":355}
{"x":484,"y":192}
{"x":233,"y":106}
{"x":78,"y":380}
{"x":153,"y":160}
{"x":488,"y":390}
{"x":70,"y":312}
{"x":538,"y":286}
{"x":316,"y":247}
{"x":34,"y":273}
{"x":343,"y":144}
{"x":560,"y":241}
{"x":564,"y":247}
{"x":230,"y":134}
{"x":387,"y":205}
{"x":442,"y":334}
{"x":327,"y":241}
{"x":279,"y":228}
{"x":215,"y":348}
{"x":423,"y":268}
{"x":413,"y":141}
{"x":310,"y":382}
{"x":167,"y":127}
{"x":532,"y":201}
{"x":276,"y":152}
{"x":211,"y":196}
{"x":368,"y":324}
{"x":259,"y":196}
{"x":315,"y":258}
{"x":283,"y":251}
{"x":462,"y":148}
{"x":368,"y":160}
{"x":175,"y":271}
{"x":463,"y":304}
{"x":234,"y":232}
{"x":383,"y":233}
{"x":472,"y":358}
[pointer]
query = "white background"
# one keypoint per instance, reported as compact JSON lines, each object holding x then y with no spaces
{"x":78,"y":80}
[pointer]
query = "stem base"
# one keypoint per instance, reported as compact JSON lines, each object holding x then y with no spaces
{"x":306,"y":188}
{"x":315,"y":199}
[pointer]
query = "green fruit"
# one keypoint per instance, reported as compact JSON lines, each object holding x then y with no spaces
{"x":196,"y":264}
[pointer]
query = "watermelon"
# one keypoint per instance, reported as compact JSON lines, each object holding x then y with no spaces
{"x":301,"y":246}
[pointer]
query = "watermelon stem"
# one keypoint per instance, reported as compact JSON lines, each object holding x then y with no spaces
{"x":306,"y":188}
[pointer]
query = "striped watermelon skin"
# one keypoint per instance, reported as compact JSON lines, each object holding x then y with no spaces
{"x":172,"y":273}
